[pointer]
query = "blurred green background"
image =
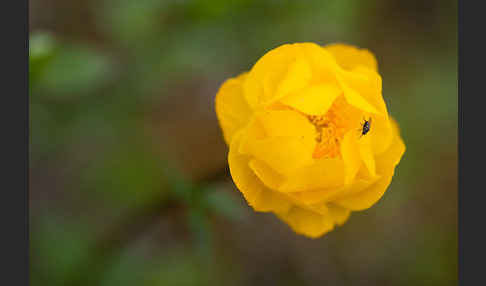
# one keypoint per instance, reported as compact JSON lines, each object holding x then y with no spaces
{"x":129,"y":182}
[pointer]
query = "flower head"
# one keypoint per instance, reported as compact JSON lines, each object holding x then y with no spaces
{"x":309,"y":134}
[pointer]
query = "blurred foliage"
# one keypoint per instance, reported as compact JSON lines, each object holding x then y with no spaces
{"x":117,"y":87}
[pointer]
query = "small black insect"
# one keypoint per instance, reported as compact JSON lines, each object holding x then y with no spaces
{"x":366,"y":127}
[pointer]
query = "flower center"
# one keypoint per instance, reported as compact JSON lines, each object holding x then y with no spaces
{"x":330,"y":128}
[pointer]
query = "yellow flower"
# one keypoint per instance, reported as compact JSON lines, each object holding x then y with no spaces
{"x":309,"y":134}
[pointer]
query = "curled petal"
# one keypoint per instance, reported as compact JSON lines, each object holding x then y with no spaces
{"x":265,"y":76}
{"x":314,"y":100}
{"x":355,"y":98}
{"x":349,"y":56}
{"x":339,"y":214}
{"x":232,"y":110}
{"x":307,"y":222}
{"x":359,"y":77}
{"x":366,"y":153}
{"x":322,"y":61}
{"x":298,"y":76}
{"x":311,"y":197}
{"x":282,"y":139}
{"x":266,"y":174}
{"x":286,"y":123}
{"x":256,"y":194}
{"x":314,"y":224}
{"x":351,"y":156}
{"x":385,"y":166}
{"x":283,"y":154}
{"x":381,"y":134}
{"x":322,"y":174}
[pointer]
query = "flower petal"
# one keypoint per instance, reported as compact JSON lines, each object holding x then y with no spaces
{"x":340,"y":215}
{"x":381,"y":134}
{"x":314,"y":224}
{"x":354,"y":98}
{"x":266,"y":174}
{"x":385,"y":166}
{"x":367,"y":155}
{"x":367,"y":83}
{"x":288,"y":142}
{"x":252,"y":91}
{"x":322,"y":61}
{"x":322,"y":174}
{"x":298,"y":76}
{"x":392,"y":156}
{"x":286,"y":123}
{"x":331,"y":194}
{"x":368,"y":197}
{"x":315,"y":196}
{"x":258,"y":196}
{"x":265,"y":76}
{"x":314,"y":100}
{"x":232,"y":110}
{"x":351,"y":156}
{"x":283,"y":154}
{"x":349,"y":56}
{"x":307,"y":222}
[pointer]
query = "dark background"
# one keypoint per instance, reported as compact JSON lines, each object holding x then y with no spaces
{"x":128,"y":175}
